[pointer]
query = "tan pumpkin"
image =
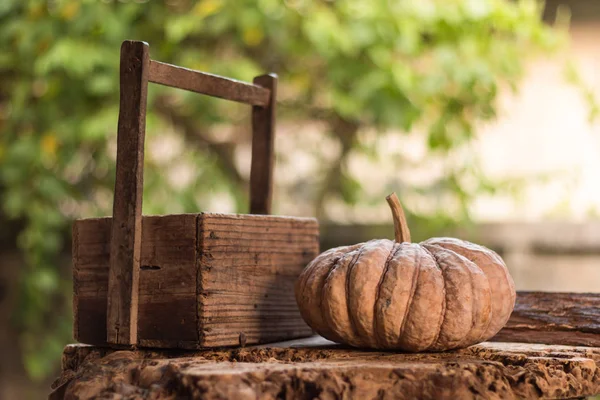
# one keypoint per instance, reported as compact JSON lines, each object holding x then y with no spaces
{"x":440,"y":294}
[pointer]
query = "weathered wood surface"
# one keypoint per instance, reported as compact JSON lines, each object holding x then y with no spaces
{"x":263,"y":148}
{"x":209,"y":84}
{"x":205,"y":279}
{"x":122,"y":304}
{"x":315,"y":368}
{"x":554,"y":318}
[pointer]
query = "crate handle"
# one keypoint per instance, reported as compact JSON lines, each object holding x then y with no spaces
{"x":136,"y":70}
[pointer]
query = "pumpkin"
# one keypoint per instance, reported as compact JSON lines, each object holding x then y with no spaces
{"x":440,"y":294}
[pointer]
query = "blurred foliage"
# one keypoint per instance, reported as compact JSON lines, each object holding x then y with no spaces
{"x":431,"y":65}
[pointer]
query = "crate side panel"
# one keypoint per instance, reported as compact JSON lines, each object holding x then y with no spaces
{"x":167,"y":310}
{"x":248,"y":268}
{"x":167,"y":306}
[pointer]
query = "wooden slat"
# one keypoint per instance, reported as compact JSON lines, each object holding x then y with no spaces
{"x":209,"y":84}
{"x":167,"y":282}
{"x":554,"y":318}
{"x":126,"y":236}
{"x":263,"y":149}
{"x":250,"y":294}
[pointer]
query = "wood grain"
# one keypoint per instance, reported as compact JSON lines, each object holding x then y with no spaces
{"x":125,"y":241}
{"x":315,"y":368}
{"x":205,"y":279}
{"x":249,"y":265}
{"x":263,"y":149}
{"x":554,"y":318}
{"x":209,"y":84}
{"x":167,"y":289}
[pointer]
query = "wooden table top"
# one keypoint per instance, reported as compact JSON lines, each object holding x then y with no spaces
{"x":316,"y":368}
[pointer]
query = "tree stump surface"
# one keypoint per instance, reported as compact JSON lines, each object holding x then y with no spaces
{"x":316,"y":368}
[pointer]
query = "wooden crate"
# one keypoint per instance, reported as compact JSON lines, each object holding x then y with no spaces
{"x":205,"y":279}
{"x":191,"y":280}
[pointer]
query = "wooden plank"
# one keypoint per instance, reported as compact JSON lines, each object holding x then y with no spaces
{"x":167,"y":283}
{"x":167,"y":309}
{"x":263,"y":149}
{"x":209,"y":84}
{"x":126,"y":236}
{"x":251,"y":297}
{"x":554,"y":318}
{"x":315,"y":368}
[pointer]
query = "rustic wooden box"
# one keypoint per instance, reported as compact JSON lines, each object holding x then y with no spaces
{"x":205,"y":279}
{"x":192,"y":280}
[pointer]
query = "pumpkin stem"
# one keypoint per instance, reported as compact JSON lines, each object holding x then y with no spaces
{"x":401,"y":232}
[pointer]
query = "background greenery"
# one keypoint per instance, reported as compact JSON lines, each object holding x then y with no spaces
{"x":354,"y":66}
